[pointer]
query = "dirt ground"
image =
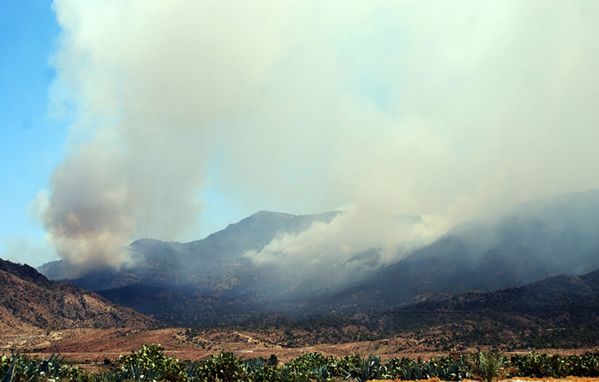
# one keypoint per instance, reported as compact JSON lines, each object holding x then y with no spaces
{"x":91,"y":346}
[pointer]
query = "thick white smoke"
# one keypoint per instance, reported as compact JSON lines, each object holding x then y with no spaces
{"x":149,"y":83}
{"x":445,"y":110}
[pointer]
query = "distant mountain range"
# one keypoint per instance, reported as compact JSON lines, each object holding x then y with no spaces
{"x":210,"y":281}
{"x":560,"y":311}
{"x":29,"y":301}
{"x":542,"y":298}
{"x":556,"y":312}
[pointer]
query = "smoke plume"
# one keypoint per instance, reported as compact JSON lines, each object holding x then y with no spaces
{"x":446,"y":111}
{"x":149,"y":83}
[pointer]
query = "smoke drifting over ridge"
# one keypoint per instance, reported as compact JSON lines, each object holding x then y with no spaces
{"x":446,"y":110}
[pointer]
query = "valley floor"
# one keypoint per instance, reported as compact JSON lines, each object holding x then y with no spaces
{"x":90,"y":346}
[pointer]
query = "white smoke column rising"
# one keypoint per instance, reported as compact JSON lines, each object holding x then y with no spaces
{"x":445,"y":110}
{"x":149,"y":80}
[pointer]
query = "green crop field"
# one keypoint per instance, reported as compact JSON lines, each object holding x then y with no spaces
{"x":151,"y":364}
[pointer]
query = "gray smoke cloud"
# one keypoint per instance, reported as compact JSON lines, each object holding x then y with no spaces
{"x":447,"y":111}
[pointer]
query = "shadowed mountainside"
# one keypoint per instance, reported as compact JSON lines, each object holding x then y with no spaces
{"x":210,"y":282}
{"x":558,"y":235}
{"x":209,"y":263}
{"x":560,"y":311}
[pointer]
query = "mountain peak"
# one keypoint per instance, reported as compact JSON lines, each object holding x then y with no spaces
{"x":270,"y":213}
{"x":264,"y":214}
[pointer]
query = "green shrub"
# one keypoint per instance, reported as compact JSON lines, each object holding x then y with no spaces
{"x":488,"y":366}
{"x":309,"y":367}
{"x":224,"y":367}
{"x":150,"y":363}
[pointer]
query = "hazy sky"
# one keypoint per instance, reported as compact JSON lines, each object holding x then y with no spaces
{"x":170,"y":119}
{"x":31,"y":143}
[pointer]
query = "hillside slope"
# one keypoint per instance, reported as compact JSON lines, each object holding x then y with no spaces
{"x":557,"y":311}
{"x":30,"y":301}
{"x":560,"y":311}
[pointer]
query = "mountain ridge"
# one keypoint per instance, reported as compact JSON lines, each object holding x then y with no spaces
{"x":556,"y":311}
{"x":210,"y":281}
{"x":29,"y":301}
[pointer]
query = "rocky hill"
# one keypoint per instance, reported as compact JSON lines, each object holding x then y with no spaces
{"x":28,"y":300}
